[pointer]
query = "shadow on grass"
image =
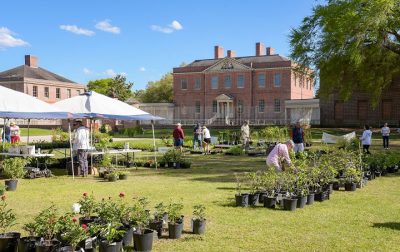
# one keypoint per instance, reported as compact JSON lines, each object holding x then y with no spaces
{"x":390,"y":225}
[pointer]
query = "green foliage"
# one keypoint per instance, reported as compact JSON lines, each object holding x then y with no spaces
{"x":352,"y":175}
{"x":110,"y":231}
{"x":131,"y":132}
{"x":158,"y":91}
{"x":2,"y":189}
{"x":132,"y":145}
{"x":235,"y":151}
{"x":174,"y":212}
{"x":275,"y":134}
{"x":269,"y":181}
{"x":44,"y":224}
{"x":59,"y":136}
{"x":70,"y":230}
{"x":106,"y":161}
{"x":239,"y":178}
{"x":13,"y":168}
{"x":140,"y":216}
{"x":199,"y":212}
{"x":7,"y":216}
{"x":102,"y":140}
{"x":253,"y":180}
{"x":353,"y":44}
{"x":160,"y":210}
{"x":116,"y":87}
{"x":88,"y":205}
{"x":106,"y":209}
{"x":172,"y":156}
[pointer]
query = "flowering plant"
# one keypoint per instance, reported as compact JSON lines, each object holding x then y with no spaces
{"x":44,"y":224}
{"x":7,"y":216}
{"x":70,"y":230}
{"x":140,"y":216}
{"x":88,"y":205}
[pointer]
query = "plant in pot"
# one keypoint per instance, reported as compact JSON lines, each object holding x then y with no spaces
{"x":13,"y":169}
{"x":88,"y":206}
{"x":142,"y":237}
{"x":160,"y":216}
{"x":175,"y":224}
{"x":105,"y":163}
{"x":242,"y":199}
{"x":289,"y":185}
{"x":253,"y":180}
{"x":28,"y":243}
{"x":122,"y":213}
{"x":123,"y":175}
{"x":113,"y":176}
{"x":110,"y":235}
{"x":352,"y":177}
{"x":44,"y":226}
{"x":8,"y":240}
{"x":269,"y":184}
{"x":70,"y":232}
{"x":302,"y":185}
{"x":199,"y":219}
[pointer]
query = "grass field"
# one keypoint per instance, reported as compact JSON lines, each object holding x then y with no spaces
{"x":36,"y":132}
{"x":365,"y":220}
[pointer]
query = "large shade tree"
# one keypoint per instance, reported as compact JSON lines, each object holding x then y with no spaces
{"x":116,"y":87}
{"x":158,"y":91}
{"x":353,"y":45}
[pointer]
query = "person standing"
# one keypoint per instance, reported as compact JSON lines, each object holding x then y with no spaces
{"x":279,"y":154}
{"x":245,"y":135}
{"x":197,"y":137}
{"x":178,"y":136}
{"x":15,"y":133}
{"x":298,"y":138}
{"x":6,"y":134}
{"x":82,"y":146}
{"x":366,"y":139}
{"x":206,"y":140}
{"x":385,"y":136}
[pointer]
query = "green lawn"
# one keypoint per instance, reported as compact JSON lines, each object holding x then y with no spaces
{"x":36,"y":132}
{"x":365,"y":220}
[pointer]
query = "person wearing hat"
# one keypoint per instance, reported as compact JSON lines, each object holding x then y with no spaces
{"x":82,"y":146}
{"x":178,"y":136}
{"x":15,"y":133}
{"x":279,"y":154}
{"x":245,"y":135}
{"x":206,"y":140}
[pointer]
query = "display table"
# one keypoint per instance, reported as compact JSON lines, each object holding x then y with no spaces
{"x":116,"y":152}
{"x":35,"y":156}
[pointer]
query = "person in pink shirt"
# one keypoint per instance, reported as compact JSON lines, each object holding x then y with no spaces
{"x":279,"y":154}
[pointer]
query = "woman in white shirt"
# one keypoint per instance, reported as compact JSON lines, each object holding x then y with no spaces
{"x":385,"y":136}
{"x":366,"y":139}
{"x":206,"y":139}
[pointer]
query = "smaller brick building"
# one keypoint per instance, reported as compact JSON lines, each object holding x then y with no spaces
{"x":230,"y":89}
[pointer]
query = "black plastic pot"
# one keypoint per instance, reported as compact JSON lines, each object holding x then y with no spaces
{"x":269,"y":202}
{"x":391,"y":169}
{"x":175,"y":230}
{"x":143,"y":242}
{"x":336,"y":186}
{"x":127,"y":239}
{"x":157,"y":226}
{"x":112,"y":178}
{"x":330,"y":188}
{"x":199,"y":226}
{"x":320,"y":196}
{"x":84,"y":220}
{"x":350,"y":187}
{"x":49,"y":246}
{"x":253,"y":199}
{"x":27,"y":244}
{"x":310,"y":199}
{"x":289,"y":204}
{"x":68,"y":249}
{"x":261,"y":197}
{"x":242,"y":200}
{"x":11,"y":184}
{"x":123,"y":176}
{"x":89,"y":245}
{"x":301,"y":201}
{"x":9,"y":241}
{"x":105,"y":246}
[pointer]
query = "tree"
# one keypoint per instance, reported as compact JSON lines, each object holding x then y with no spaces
{"x":116,"y":87}
{"x":353,"y":45}
{"x":158,"y":91}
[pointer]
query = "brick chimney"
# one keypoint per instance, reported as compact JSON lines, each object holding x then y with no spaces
{"x":31,"y":61}
{"x":270,"y":51}
{"x":230,"y":54}
{"x":260,"y":49}
{"x":218,"y":52}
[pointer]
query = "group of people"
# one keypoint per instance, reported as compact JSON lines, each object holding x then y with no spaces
{"x":366,"y":137}
{"x":11,"y":133}
{"x":201,"y":138}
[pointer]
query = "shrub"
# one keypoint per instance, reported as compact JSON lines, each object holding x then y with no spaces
{"x":235,"y":151}
{"x":14,"y":167}
{"x":7,"y":216}
{"x":199,"y":212}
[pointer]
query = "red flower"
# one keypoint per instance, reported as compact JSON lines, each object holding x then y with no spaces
{"x":85,"y":194}
{"x":84,"y":226}
{"x":74,"y":219}
{"x":3,"y":197}
{"x":121,"y":194}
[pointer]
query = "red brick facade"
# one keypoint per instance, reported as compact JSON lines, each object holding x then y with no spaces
{"x":233,"y":89}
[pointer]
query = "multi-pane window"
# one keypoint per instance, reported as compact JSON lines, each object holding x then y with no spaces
{"x":277,"y":105}
{"x":227,"y":81}
{"x":261,"y":80}
{"x":261,"y":106}
{"x":35,"y":91}
{"x":240,"y":81}
{"x":197,"y":83}
{"x":197,"y":107}
{"x":58,"y":93}
{"x":69,"y":93}
{"x":240,"y":106}
{"x":46,"y":92}
{"x":184,"y":84}
{"x":214,"y":107}
{"x":78,"y":91}
{"x":277,"y":79}
{"x":214,"y":82}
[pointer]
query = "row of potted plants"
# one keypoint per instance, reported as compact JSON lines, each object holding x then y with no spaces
{"x":108,"y":225}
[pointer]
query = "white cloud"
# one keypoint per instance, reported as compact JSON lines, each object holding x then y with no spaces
{"x":123,"y":74}
{"x":110,"y":73}
{"x":107,"y":27}
{"x":142,"y":69}
{"x":174,"y":26}
{"x":7,"y":39}
{"x":75,"y":29}
{"x":87,"y":71}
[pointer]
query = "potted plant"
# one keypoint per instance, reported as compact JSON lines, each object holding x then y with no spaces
{"x":142,"y":237}
{"x":13,"y":169}
{"x":269,"y":184}
{"x":122,"y":213}
{"x":175,"y":224}
{"x":288,"y":184}
{"x":88,"y":206}
{"x":29,"y":242}
{"x":242,"y":199}
{"x":123,"y":175}
{"x":160,"y":216}
{"x":253,"y":181}
{"x":105,"y":163}
{"x":352,"y":177}
{"x":71,"y":232}
{"x":8,"y":240}
{"x":199,"y":220}
{"x":113,"y":176}
{"x":110,"y":236}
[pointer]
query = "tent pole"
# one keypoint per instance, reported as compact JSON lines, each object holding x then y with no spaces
{"x":70,"y":149}
{"x":154,"y":144}
{"x":4,"y":132}
{"x":29,"y":122}
{"x":91,"y":142}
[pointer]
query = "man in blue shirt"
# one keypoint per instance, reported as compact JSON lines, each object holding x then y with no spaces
{"x":298,"y":138}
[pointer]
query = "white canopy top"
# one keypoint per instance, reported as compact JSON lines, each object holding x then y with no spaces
{"x":15,"y":104}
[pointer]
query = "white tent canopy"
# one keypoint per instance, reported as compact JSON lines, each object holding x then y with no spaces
{"x":328,"y":138}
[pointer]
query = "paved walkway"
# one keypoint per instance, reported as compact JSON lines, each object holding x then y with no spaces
{"x":36,"y":138}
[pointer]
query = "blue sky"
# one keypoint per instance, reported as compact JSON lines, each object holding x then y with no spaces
{"x":84,"y":40}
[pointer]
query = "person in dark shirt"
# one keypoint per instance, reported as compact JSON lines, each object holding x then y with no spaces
{"x":298,"y":138}
{"x":178,"y":136}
